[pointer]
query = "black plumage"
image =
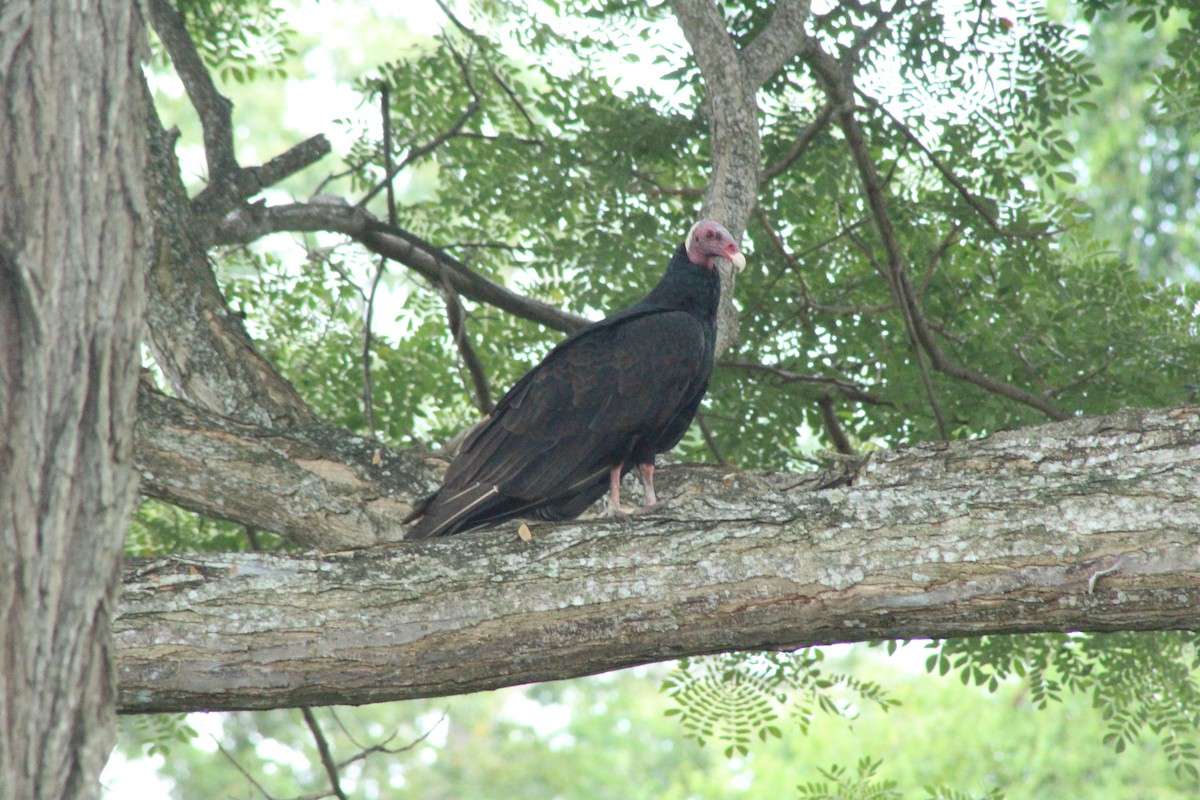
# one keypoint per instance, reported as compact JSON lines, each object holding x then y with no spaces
{"x":603,"y":401}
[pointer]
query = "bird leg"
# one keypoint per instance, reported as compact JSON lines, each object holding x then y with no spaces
{"x":647,"y":471}
{"x":614,"y":491}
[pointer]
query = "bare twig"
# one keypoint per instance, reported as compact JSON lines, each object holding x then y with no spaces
{"x":246,"y":774}
{"x":793,"y":262}
{"x":251,"y":222}
{"x":840,"y":90}
{"x":504,"y":87}
{"x":803,"y":142}
{"x":658,"y":190}
{"x":455,"y":316}
{"x":383,"y":748}
{"x":420,"y":151}
{"x":331,"y":767}
{"x":709,"y":440}
{"x":848,"y":389}
{"x":833,"y":426}
{"x":948,"y":174}
{"x":368,"y":391}
{"x":947,"y":242}
{"x":385,"y":113}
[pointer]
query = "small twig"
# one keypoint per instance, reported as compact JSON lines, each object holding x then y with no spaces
{"x":952,"y":179}
{"x":455,"y":316}
{"x":368,"y":390}
{"x":418,"y":152}
{"x":658,"y":190}
{"x":833,"y":426}
{"x":847,"y":389}
{"x":504,"y":87}
{"x":709,"y":440}
{"x":383,"y":748}
{"x":936,"y":258}
{"x":1082,"y":379}
{"x":1101,"y":573}
{"x":245,"y":772}
{"x":331,"y":767}
{"x":385,"y":112}
{"x":803,"y":142}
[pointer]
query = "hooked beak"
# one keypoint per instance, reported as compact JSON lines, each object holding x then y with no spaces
{"x":738,"y":260}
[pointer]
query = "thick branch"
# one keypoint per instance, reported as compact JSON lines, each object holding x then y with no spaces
{"x":252,"y":222}
{"x":317,"y":486}
{"x":779,"y":42}
{"x":198,"y":342}
{"x":1090,"y":524}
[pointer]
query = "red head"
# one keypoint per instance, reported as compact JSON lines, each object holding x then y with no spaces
{"x":708,"y":240}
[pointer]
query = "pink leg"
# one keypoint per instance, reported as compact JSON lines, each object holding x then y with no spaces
{"x":614,"y":490}
{"x":647,"y":471}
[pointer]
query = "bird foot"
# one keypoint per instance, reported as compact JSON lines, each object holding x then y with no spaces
{"x":622,"y":511}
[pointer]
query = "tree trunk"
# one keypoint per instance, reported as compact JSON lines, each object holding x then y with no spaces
{"x":73,"y":245}
{"x":1090,"y":524}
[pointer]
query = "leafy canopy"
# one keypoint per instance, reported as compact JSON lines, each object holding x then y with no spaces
{"x":563,"y":151}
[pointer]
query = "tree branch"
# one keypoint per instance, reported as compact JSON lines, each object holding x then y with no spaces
{"x":847,"y":389}
{"x":331,"y":766}
{"x":248,"y":223}
{"x":777,"y":45}
{"x":215,"y":110}
{"x":1012,"y":533}
{"x":840,"y":90}
{"x":198,"y":342}
{"x":456,"y":319}
{"x":316,"y":486}
{"x":801,"y":145}
{"x":228,"y":184}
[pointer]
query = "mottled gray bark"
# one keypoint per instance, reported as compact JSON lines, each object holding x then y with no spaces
{"x":732,"y":78}
{"x":73,"y":243}
{"x":1091,"y":524}
{"x":317,"y":486}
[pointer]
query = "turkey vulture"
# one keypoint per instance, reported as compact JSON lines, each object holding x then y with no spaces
{"x":606,"y":399}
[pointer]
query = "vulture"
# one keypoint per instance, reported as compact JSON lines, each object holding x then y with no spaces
{"x":605,"y":400}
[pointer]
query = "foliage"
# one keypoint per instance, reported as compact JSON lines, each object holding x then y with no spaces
{"x":1139,"y":681}
{"x":240,"y":40}
{"x":859,"y":785}
{"x":154,"y":734}
{"x":735,"y":698}
{"x":564,"y":153}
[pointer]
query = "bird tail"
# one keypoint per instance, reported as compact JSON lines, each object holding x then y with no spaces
{"x":451,"y":514}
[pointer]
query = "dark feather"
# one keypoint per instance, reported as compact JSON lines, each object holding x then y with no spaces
{"x":616,"y":393}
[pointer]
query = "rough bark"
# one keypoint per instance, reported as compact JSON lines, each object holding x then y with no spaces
{"x":73,"y":241}
{"x":317,"y":486}
{"x":1090,"y":524}
{"x":732,"y":78}
{"x":199,"y":343}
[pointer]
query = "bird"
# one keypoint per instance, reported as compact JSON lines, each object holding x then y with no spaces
{"x":603,"y":402}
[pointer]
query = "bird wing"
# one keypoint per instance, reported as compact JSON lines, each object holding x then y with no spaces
{"x":604,"y":393}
